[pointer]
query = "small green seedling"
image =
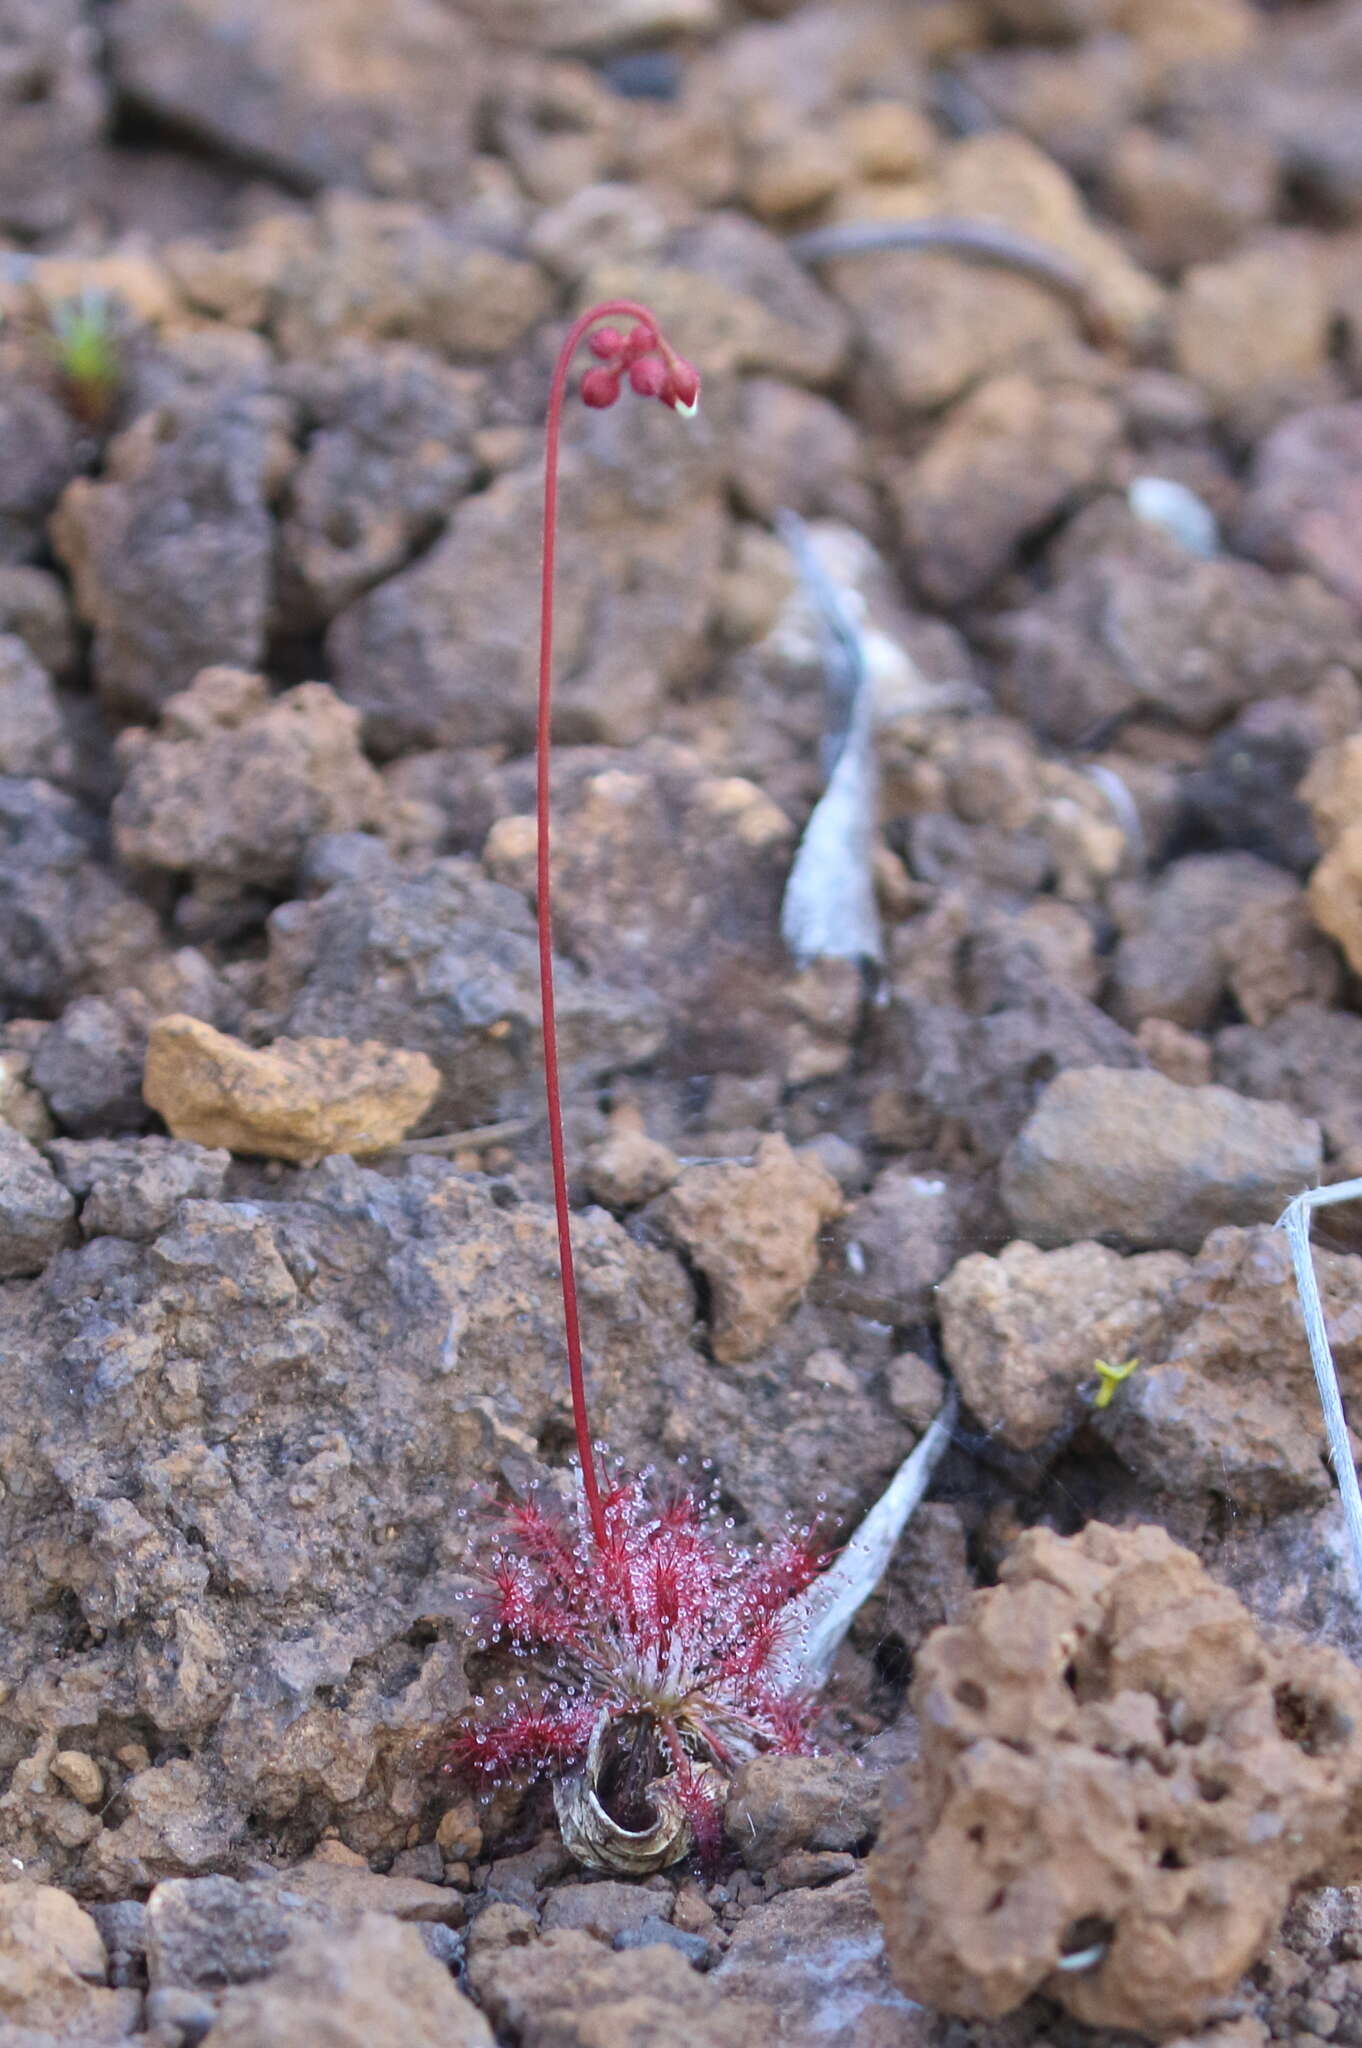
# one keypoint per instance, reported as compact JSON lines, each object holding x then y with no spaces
{"x":89,"y":361}
{"x":1110,"y":1378}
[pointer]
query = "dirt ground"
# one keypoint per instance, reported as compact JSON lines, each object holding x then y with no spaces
{"x":281,"y":285}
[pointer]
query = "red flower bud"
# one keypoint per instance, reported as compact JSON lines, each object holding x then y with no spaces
{"x":683,"y":386}
{"x":606,"y":342}
{"x":600,"y":388}
{"x":648,"y":377}
{"x":639,"y":341}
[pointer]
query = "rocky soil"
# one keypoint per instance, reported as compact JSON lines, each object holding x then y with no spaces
{"x":278,"y":1283}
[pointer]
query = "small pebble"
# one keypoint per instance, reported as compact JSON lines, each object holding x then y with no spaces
{"x":80,"y":1774}
{"x":692,"y":1912}
{"x":446,"y":1944}
{"x":179,"y":2014}
{"x":502,"y":1925}
{"x":804,"y":1868}
{"x":915,"y":1388}
{"x":649,"y":1933}
{"x":644,"y":74}
{"x":331,"y":1850}
{"x":423,"y":1861}
{"x":1163,"y":502}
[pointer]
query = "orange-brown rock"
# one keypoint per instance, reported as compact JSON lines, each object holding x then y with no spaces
{"x":1121,"y":1782}
{"x":753,"y":1232}
{"x":1333,"y":790}
{"x":299,"y":1098}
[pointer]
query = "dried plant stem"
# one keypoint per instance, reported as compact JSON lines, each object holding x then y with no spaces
{"x":614,"y":309}
{"x":978,"y":241}
{"x":469,"y":1141}
{"x":1295,"y":1221}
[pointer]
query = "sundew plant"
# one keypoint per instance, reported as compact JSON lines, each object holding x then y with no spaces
{"x":651,"y":1648}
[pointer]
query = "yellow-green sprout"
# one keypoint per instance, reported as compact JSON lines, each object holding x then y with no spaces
{"x":85,"y":343}
{"x":1110,"y":1378}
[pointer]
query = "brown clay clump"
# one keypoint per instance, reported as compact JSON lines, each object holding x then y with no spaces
{"x":1120,"y":1784}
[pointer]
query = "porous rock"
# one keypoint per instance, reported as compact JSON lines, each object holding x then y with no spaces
{"x":294,"y":86}
{"x":753,"y":1232}
{"x":36,"y":1212}
{"x":381,"y":270}
{"x":377,"y":1984}
{"x":606,"y":1910}
{"x":88,"y":1064}
{"x":628,"y":1167}
{"x":985,"y":1074}
{"x":233,"y":784}
{"x":1180,"y":940}
{"x":1134,"y":621}
{"x":53,"y":105}
{"x":1135,"y":1158}
{"x":1223,"y":1403}
{"x":53,"y":1969}
{"x":899,"y":1240}
{"x":566,"y":1991}
{"x":297,"y":1098}
{"x":68,"y":926}
{"x":1022,"y":1332}
{"x":1010,"y":458}
{"x":645,"y":846}
{"x":42,"y":454}
{"x":1253,"y":329}
{"x":387,"y":459}
{"x":212,"y":1429}
{"x":1114,"y":1764}
{"x":1333,"y":790}
{"x":814,"y":1961}
{"x":780,"y":1803}
{"x":33,"y":735}
{"x":442,"y":961}
{"x":170,"y":549}
{"x":730,"y":294}
{"x":935,"y":323}
{"x":130,"y":1187}
{"x":437,"y":655}
{"x":1308,"y":1056}
{"x":1304,"y":505}
{"x":36,"y":608}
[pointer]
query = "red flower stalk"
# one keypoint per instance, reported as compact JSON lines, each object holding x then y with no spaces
{"x":655,"y":369}
{"x":645,"y":1620}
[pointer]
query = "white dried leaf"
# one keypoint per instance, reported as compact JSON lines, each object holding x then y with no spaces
{"x":819,"y":1619}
